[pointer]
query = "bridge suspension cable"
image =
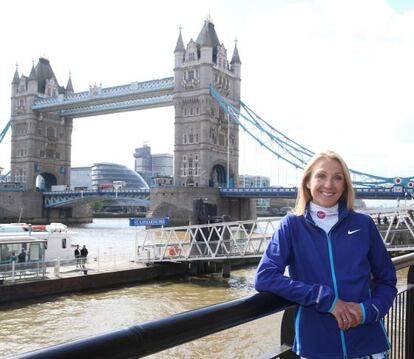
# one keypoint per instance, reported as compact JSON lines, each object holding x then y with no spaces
{"x":4,"y":131}
{"x":290,"y":151}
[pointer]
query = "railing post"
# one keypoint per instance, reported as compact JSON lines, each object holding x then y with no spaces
{"x":287,"y":332}
{"x":409,"y":322}
{"x":13,"y":270}
{"x":57,"y":268}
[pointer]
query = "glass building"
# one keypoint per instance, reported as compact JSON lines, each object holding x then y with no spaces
{"x":152,"y":166}
{"x":106,"y":173}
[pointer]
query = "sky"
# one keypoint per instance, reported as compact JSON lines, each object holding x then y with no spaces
{"x":328,"y":74}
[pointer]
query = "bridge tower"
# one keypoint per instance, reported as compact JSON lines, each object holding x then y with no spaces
{"x":41,"y":141}
{"x":206,"y":149}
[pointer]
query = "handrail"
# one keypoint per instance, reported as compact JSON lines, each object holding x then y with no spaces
{"x":403,"y":261}
{"x":157,"y":335}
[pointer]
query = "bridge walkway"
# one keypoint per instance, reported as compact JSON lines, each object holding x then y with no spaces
{"x":248,"y":239}
{"x":207,"y":242}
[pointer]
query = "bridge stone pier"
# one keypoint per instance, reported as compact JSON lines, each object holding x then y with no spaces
{"x":178,"y":204}
{"x":28,"y":207}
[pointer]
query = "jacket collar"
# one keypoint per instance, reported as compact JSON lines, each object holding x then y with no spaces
{"x":342,"y":212}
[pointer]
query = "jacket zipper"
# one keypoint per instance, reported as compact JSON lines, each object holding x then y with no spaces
{"x":331,"y":262}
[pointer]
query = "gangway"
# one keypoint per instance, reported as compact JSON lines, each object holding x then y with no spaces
{"x":248,"y":239}
{"x":397,"y":228}
{"x":207,"y":242}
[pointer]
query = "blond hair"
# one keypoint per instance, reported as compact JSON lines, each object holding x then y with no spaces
{"x":304,"y":195}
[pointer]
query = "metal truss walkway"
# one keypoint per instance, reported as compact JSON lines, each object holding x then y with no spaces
{"x":64,"y":198}
{"x":207,"y":242}
{"x":99,"y":101}
{"x":248,"y":239}
{"x":397,"y":230}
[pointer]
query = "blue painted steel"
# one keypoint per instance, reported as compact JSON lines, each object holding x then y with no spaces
{"x":63,"y":198}
{"x":291,"y":192}
{"x":98,"y":94}
{"x":130,"y":105}
{"x":290,"y":151}
{"x":155,"y":221}
{"x":4,"y":132}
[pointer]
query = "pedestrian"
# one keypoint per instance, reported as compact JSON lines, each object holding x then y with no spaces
{"x":21,"y":258}
{"x":379,"y":218}
{"x":340,"y":274}
{"x":77,"y":256}
{"x":84,"y":255}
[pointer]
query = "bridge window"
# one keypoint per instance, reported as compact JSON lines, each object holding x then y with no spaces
{"x":184,"y":139}
{"x":191,"y":56}
{"x":63,"y":242}
{"x":184,"y":169}
{"x":21,"y":104}
{"x":42,"y":153}
{"x":51,"y":133}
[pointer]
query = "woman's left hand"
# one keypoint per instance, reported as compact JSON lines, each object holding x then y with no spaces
{"x":347,"y":314}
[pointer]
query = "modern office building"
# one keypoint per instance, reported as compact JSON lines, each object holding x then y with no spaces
{"x":150,"y":165}
{"x":80,"y":177}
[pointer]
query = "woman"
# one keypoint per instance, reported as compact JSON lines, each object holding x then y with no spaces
{"x":340,"y":272}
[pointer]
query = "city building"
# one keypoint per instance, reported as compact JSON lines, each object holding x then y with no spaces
{"x":80,"y":178}
{"x":262,"y":204}
{"x":153,"y":166}
{"x":106,"y":173}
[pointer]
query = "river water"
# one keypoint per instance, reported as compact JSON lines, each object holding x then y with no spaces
{"x":30,"y":325}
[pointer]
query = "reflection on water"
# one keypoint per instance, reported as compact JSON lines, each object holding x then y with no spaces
{"x":31,"y":325}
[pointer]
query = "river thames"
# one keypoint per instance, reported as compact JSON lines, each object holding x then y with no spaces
{"x":30,"y":325}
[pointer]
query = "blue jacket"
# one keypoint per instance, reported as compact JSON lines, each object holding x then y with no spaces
{"x":350,"y":263}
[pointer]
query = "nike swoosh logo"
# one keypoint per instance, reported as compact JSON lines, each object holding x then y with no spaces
{"x":354,"y":231}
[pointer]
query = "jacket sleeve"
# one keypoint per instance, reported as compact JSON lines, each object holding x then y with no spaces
{"x":270,"y":274}
{"x":384,"y":280}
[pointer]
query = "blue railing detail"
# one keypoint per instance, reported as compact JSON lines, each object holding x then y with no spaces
{"x":62,"y":198}
{"x":43,"y":103}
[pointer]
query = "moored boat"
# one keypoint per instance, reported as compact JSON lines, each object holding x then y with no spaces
{"x":58,"y":239}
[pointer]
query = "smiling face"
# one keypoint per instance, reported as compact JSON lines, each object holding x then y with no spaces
{"x":327,"y":182}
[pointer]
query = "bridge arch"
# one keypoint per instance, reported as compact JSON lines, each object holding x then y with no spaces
{"x":45,"y":181}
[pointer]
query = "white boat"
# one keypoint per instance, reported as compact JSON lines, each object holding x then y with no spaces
{"x":58,"y":238}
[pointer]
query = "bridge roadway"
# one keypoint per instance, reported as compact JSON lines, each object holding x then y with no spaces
{"x":62,"y":198}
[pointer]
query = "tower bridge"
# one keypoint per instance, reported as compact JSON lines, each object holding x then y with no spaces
{"x":205,"y":93}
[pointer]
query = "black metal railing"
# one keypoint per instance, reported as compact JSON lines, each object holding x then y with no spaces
{"x":158,"y":335}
